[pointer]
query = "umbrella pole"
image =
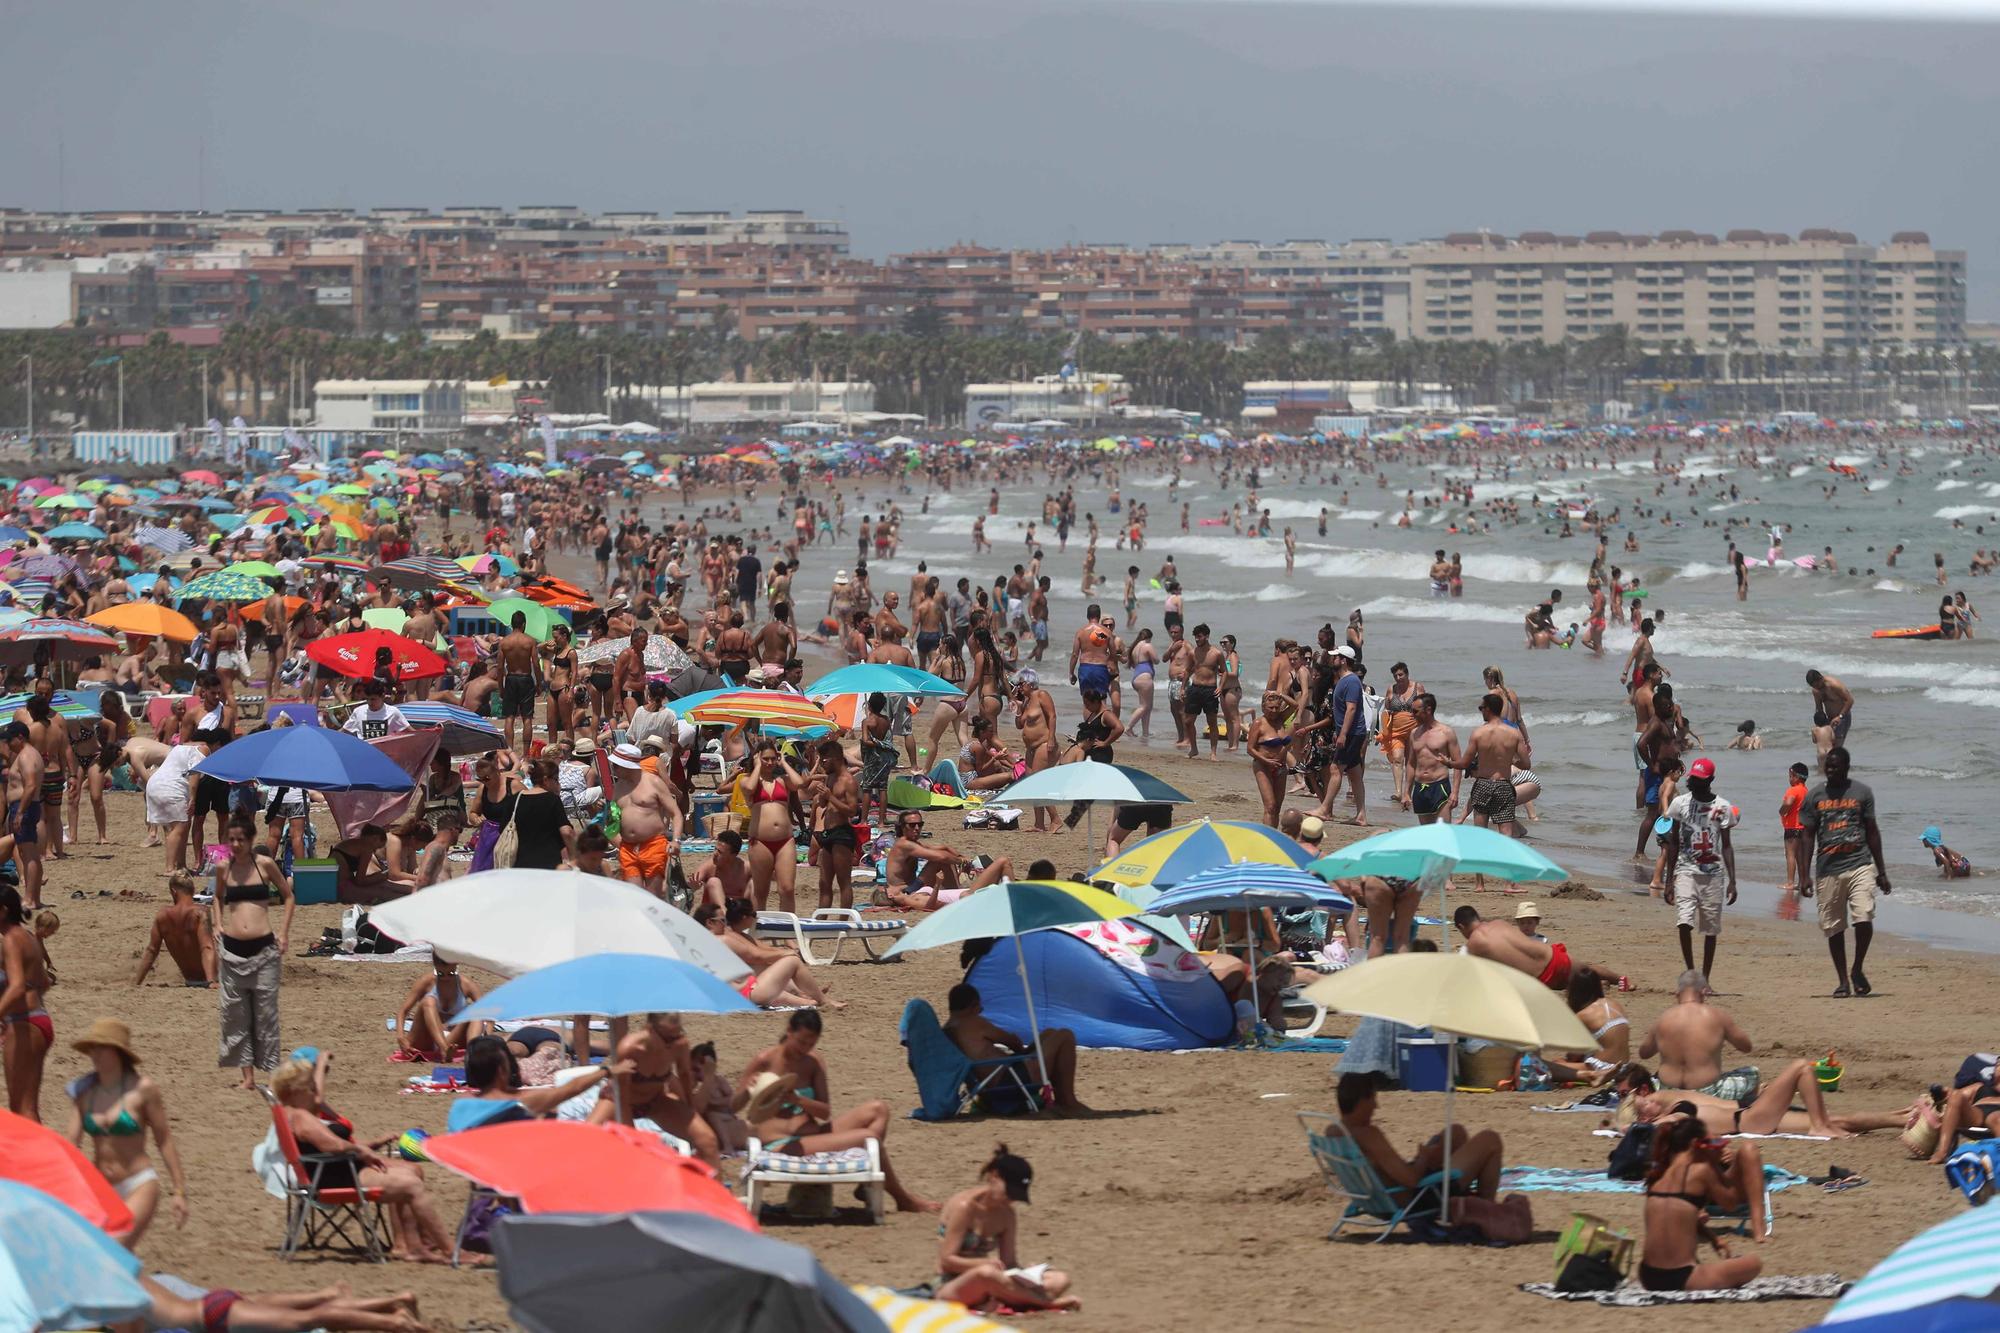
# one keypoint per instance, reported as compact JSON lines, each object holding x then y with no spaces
{"x":1034,"y":1024}
{"x":1450,"y":1082}
{"x":1256,"y":1004}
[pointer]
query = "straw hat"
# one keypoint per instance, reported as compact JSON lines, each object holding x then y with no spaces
{"x":108,"y":1032}
{"x":1528,"y":912}
{"x":768,"y":1092}
{"x":585,"y":748}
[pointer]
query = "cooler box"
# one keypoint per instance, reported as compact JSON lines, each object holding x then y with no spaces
{"x":706,"y":804}
{"x":1424,"y":1061}
{"x":314,"y":881}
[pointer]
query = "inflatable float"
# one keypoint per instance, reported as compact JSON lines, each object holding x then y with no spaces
{"x":1912,"y":632}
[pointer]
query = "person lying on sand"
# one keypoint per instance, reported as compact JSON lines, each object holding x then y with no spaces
{"x":281,"y":1312}
{"x":1503,"y":942}
{"x":1770,"y":1112}
{"x":1476,"y":1155}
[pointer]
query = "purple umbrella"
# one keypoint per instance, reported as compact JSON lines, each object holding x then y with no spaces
{"x":56,"y":567}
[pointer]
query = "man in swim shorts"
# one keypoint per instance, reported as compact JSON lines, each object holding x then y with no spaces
{"x":646,"y":811}
{"x":1090,"y":654}
{"x":1434,"y":763}
{"x":1503,"y":942}
{"x":1494,"y":751}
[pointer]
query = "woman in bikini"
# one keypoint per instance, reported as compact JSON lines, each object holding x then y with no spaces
{"x":252,"y":955}
{"x":1231,"y":685}
{"x":1267,"y":741}
{"x":560,"y":677}
{"x":795,"y":1115}
{"x":988,"y":688}
{"x":1607,"y":1022}
{"x":948,"y":663}
{"x":99,"y":747}
{"x":978,"y":1243}
{"x":1690,"y":1174}
{"x":26,"y":1030}
{"x":600,"y":679}
{"x":1399,"y":719}
{"x":1145,"y":662}
{"x":771,"y":788}
{"x":117,"y":1106}
{"x":836,"y":798}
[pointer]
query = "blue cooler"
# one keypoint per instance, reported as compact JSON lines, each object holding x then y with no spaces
{"x":706,"y":804}
{"x":315,"y":881}
{"x":1425,"y":1063}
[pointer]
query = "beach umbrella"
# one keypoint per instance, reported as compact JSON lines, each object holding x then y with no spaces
{"x":64,"y":704}
{"x":344,"y":529}
{"x":34,"y":1155}
{"x":275,"y":515}
{"x":9,"y":534}
{"x":642,"y":1272}
{"x":58,"y":640}
{"x":353,"y":655}
{"x":1165,"y":859}
{"x":480,"y":564}
{"x":349,"y":488}
{"x":391,"y":618}
{"x":222,"y":586}
{"x":147,"y":618}
{"x":910,"y":1314}
{"x":515,"y":920}
{"x":201,"y":477}
{"x":1957,"y":1257}
{"x":662,"y":654}
{"x":564,"y":1166}
{"x":1091,"y":783}
{"x":74,"y":532}
{"x":63,"y":501}
{"x":255,"y":569}
{"x":883,"y":678}
{"x":48,"y":565}
{"x":1246,"y":887}
{"x":311,"y":758}
{"x":541,"y":621}
{"x":345,"y":564}
{"x":169,"y":540}
{"x":417,"y":571}
{"x":57,"y":1270}
{"x":1962,"y":1314}
{"x":1458,"y":995}
{"x":776,"y":706}
{"x":1431,"y":853}
{"x":465,"y":732}
{"x":1014,"y":907}
{"x":609,"y":984}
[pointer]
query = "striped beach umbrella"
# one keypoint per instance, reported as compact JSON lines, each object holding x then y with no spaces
{"x":1165,"y":859}
{"x":1959,"y":1257}
{"x":67,"y":706}
{"x":907,"y":1314}
{"x":417,"y":571}
{"x":60,"y":640}
{"x":169,"y":540}
{"x":465,"y":732}
{"x":737,"y":706}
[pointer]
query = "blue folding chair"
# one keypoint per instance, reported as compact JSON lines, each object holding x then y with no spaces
{"x":1350,"y":1175}
{"x":948,"y":1080}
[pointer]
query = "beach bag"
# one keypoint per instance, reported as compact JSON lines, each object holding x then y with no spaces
{"x":1371,"y":711}
{"x":1589,"y":1272}
{"x":1632,"y":1155}
{"x":1922,"y":1127}
{"x":1607,"y":1252}
{"x":482,"y":1215}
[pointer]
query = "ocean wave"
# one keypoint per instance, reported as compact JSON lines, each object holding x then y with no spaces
{"x":1943,"y":775}
{"x":1699,"y":569}
{"x":1990,"y":489}
{"x":1880,"y":483}
{"x":1951,"y":485}
{"x":1277,"y":592}
{"x":1717,"y":637}
{"x":1800,"y":470}
{"x":1963,"y":511}
{"x":1592,"y":718}
{"x":1411,"y":608}
{"x":1976,"y":698}
{"x":1892,"y":585}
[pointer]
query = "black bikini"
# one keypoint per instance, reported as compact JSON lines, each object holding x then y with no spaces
{"x":1670,"y":1279}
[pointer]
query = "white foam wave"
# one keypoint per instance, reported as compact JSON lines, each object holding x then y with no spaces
{"x":1943,"y":775}
{"x":1952,"y":485}
{"x":1592,"y":718}
{"x":1880,"y":483}
{"x":1277,"y":592}
{"x":1963,"y":511}
{"x":1990,"y":489}
{"x":1800,"y":470}
{"x":1700,"y":570}
{"x":1892,"y":585}
{"x":1735,"y":638}
{"x":1411,"y":608}
{"x":1976,"y":698}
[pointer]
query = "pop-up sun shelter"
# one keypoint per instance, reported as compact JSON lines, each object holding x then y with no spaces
{"x":1112,"y":983}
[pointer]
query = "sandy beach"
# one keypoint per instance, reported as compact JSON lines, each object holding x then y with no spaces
{"x":1188,"y":1202}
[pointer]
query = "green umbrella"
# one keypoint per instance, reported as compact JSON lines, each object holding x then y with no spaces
{"x":386,"y":617}
{"x":541,"y":620}
{"x":255,"y":569}
{"x":226,"y":587}
{"x":349,"y":488}
{"x":1431,"y":853}
{"x":63,"y":502}
{"x":1015,"y":907}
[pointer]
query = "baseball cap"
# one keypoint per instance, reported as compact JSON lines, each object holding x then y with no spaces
{"x":1702,"y":768}
{"x":1527,"y":912}
{"x":1345,"y":650}
{"x":1016,"y":1174}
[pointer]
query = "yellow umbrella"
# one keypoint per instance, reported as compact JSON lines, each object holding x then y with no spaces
{"x":904,"y":1314}
{"x":146,"y":618}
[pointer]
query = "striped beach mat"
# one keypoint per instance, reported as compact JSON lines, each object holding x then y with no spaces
{"x":907,"y":1314}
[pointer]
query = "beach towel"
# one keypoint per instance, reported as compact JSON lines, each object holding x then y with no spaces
{"x":1811,"y":1287}
{"x":441,"y":1078}
{"x":1267,"y":1041}
{"x":409,"y":953}
{"x":1580,"y":1180}
{"x":944,"y":777}
{"x":1809,"y":1138}
{"x":1602,"y":1102}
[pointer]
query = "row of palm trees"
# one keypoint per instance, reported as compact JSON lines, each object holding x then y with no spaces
{"x":265,"y":368}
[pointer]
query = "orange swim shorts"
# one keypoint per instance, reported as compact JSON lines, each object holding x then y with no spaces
{"x":645,"y":860}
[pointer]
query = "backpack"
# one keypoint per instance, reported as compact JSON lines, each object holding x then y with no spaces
{"x":1632,"y":1154}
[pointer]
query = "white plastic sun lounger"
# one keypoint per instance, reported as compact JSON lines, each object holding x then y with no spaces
{"x":835,"y":924}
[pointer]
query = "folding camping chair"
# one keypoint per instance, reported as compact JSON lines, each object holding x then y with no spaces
{"x":1350,"y":1175}
{"x":314,"y":1214}
{"x":948,"y":1080}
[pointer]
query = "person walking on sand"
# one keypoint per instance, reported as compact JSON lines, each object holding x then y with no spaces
{"x":1699,"y":859}
{"x":1839,"y":820}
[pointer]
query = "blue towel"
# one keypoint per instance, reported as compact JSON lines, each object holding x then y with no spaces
{"x":1579,"y":1180}
{"x":1320,"y":1044}
{"x":936,"y":1062}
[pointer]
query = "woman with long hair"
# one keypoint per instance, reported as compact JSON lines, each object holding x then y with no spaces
{"x":252,"y":955}
{"x":560,"y":677}
{"x":26,"y":1030}
{"x":116,"y":1107}
{"x":771,"y":788}
{"x":1691,"y":1173}
{"x":494,"y":804}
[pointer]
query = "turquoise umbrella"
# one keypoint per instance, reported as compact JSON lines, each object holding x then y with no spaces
{"x":882,"y":678}
{"x":1431,"y":853}
{"x":1089,"y":782}
{"x":1014,"y":908}
{"x":1959,"y":1257}
{"x":59,"y":1271}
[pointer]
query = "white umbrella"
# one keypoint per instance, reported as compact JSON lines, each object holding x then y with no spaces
{"x":1458,"y":995}
{"x":513,"y":921}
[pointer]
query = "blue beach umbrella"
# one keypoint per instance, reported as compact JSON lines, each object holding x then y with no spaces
{"x":1088,"y":780}
{"x":1165,"y":859}
{"x":82,"y":532}
{"x":882,"y":678}
{"x":311,"y":758}
{"x":1249,"y":886}
{"x":59,"y":1271}
{"x":1432,"y":853}
{"x":9,"y":534}
{"x":465,"y":732}
{"x":1958,"y":1257}
{"x":609,"y":984}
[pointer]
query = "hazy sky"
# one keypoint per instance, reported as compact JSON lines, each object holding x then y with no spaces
{"x":923,"y":122}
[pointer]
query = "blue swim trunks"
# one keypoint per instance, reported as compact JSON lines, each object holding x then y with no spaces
{"x":1094,"y":676}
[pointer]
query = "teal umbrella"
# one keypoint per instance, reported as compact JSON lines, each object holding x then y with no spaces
{"x":542,"y":621}
{"x":1090,"y":782}
{"x":1959,"y":1257}
{"x":882,"y":678}
{"x":1432,"y":853}
{"x":1015,"y":907}
{"x":59,"y":1271}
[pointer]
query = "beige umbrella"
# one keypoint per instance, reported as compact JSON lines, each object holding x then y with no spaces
{"x":1461,"y":996}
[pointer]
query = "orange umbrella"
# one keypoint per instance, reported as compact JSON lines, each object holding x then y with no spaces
{"x":561,"y":1166}
{"x":37,"y":1156}
{"x":147,"y":618}
{"x":255,"y":610}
